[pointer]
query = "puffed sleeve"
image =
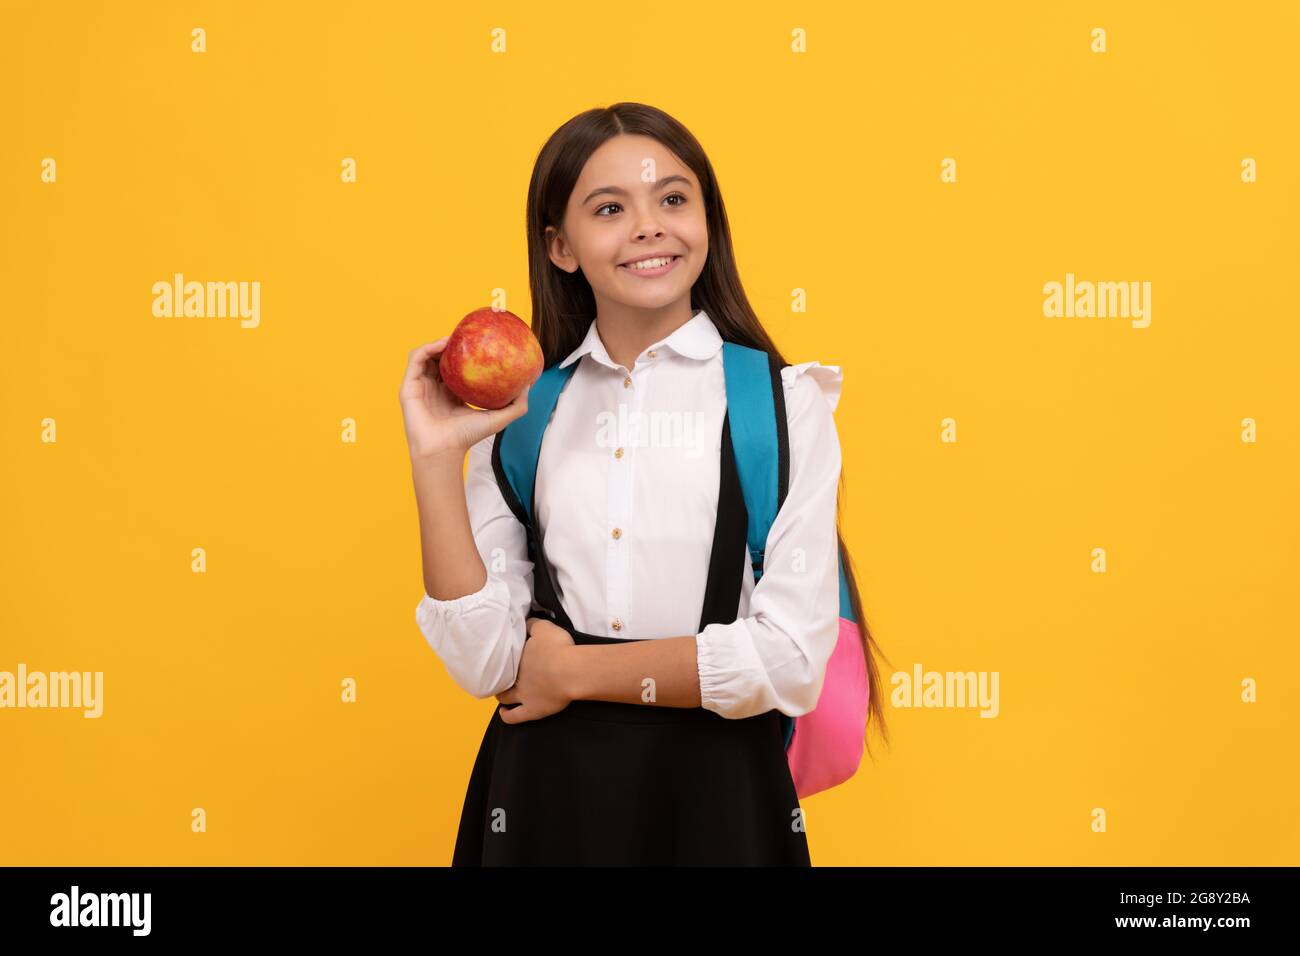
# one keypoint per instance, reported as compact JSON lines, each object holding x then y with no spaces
{"x":480,"y":636}
{"x":775,"y":658}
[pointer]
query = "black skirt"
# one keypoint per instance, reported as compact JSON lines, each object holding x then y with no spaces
{"x":613,"y":784}
{"x":609,"y":784}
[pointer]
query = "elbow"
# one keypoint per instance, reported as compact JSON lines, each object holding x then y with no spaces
{"x":807,"y":673}
{"x":748,"y":668}
{"x":481,"y":689}
{"x":480,"y":656}
{"x":802,"y":694}
{"x":482,"y":678}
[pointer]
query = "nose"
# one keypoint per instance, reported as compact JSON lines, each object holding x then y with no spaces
{"x":649,"y":225}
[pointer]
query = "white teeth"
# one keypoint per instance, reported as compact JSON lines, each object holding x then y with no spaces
{"x":650,"y":263}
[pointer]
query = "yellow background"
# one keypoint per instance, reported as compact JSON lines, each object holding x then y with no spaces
{"x":222,"y":690}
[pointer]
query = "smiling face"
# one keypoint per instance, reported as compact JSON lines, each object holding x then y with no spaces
{"x":634,"y":201}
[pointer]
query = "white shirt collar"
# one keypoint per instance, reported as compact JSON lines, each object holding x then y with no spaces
{"x":697,"y":338}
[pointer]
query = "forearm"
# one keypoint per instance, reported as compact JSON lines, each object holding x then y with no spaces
{"x":452,"y":566}
{"x":661,"y":671}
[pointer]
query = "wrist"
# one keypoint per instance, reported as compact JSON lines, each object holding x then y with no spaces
{"x":569,"y":673}
{"x":445,"y":460}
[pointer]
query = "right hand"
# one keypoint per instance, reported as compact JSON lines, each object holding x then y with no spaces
{"x":438,"y":424}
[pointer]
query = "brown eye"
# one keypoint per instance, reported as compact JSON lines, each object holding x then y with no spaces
{"x":607,"y":205}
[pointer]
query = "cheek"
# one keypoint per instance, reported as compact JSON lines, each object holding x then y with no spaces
{"x":697,"y":234}
{"x":604,"y":248}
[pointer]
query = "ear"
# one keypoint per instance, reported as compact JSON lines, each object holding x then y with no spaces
{"x":558,"y":250}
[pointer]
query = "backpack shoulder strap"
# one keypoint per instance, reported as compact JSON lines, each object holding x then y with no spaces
{"x":759,"y":436}
{"x":518,"y":446}
{"x":515,"y":452}
{"x":761,"y":441}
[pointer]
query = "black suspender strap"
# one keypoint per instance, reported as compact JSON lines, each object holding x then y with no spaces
{"x":726,"y":570}
{"x":544,"y":596}
{"x":726,"y":559}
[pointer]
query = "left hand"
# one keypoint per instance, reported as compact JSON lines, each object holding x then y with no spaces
{"x":539,"y":689}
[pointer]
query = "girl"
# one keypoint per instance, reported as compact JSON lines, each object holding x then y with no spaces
{"x":640,"y":723}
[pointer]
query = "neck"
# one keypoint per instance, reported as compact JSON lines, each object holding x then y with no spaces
{"x":626,"y":332}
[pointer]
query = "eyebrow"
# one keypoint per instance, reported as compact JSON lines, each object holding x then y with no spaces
{"x":618,"y":191}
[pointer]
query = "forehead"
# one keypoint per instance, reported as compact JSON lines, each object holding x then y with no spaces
{"x":620,"y":161}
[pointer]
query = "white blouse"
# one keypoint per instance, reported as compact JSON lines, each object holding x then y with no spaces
{"x":631,"y":458}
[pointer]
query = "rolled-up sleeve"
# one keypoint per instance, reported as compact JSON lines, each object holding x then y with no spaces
{"x":480,"y":637}
{"x":775,"y":657}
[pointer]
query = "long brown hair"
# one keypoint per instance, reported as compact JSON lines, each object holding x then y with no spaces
{"x":564,"y":304}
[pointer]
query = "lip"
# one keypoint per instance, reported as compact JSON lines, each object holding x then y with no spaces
{"x":651,"y":273}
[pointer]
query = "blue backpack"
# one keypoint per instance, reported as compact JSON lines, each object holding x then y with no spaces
{"x":829,"y":744}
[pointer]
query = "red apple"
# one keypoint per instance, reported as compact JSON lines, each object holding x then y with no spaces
{"x":490,"y":358}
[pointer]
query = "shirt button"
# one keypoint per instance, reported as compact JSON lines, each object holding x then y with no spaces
{"x":616,"y":624}
{"x":651,"y":353}
{"x":627,"y":383}
{"x":617,"y":533}
{"x":618,"y":453}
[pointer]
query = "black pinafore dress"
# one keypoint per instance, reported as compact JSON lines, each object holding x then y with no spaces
{"x":613,"y":784}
